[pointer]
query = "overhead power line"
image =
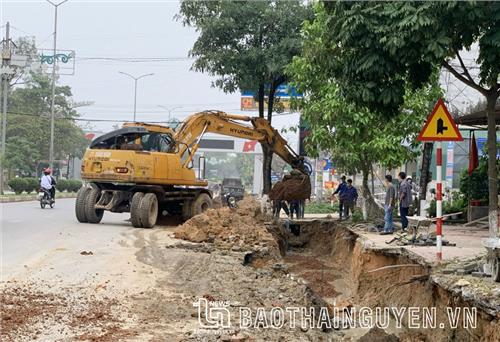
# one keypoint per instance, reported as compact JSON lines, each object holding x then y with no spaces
{"x":83,"y":119}
{"x":41,"y":116}
{"x":134,"y":59}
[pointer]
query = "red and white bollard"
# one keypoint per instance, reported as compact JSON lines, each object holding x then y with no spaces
{"x":439,"y":201}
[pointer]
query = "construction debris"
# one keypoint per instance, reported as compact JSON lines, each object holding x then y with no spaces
{"x":465,"y":267}
{"x":419,"y":239}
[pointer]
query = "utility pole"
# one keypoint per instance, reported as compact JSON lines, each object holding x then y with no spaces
{"x":135,"y":88}
{"x":52,"y":109}
{"x":6,"y":56}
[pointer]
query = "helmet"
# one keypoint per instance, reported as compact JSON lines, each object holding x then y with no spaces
{"x":47,"y":171}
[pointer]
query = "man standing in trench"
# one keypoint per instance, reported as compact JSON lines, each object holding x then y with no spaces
{"x":405,"y":199}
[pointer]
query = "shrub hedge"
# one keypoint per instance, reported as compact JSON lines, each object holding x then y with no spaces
{"x":29,"y":185}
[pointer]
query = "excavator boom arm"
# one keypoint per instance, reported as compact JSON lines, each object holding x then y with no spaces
{"x":190,"y":132}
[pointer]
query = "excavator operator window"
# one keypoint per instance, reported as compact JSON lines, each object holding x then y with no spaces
{"x":158,"y":142}
{"x":129,"y":142}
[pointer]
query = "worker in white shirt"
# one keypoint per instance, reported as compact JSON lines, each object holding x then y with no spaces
{"x":48,"y":183}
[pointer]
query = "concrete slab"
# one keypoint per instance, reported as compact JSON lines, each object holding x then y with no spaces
{"x":467,"y":240}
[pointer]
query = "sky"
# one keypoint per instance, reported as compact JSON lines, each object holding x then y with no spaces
{"x":125,"y":29}
{"x":101,"y":31}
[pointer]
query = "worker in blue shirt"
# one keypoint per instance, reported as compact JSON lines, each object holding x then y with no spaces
{"x":349,"y":196}
{"x":340,"y":190}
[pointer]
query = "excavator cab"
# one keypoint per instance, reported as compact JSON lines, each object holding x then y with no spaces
{"x":140,"y":153}
{"x":136,"y":139}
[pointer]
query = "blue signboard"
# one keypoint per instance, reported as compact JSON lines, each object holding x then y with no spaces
{"x":481,"y":149}
{"x":327,"y":164}
{"x":283,"y":90}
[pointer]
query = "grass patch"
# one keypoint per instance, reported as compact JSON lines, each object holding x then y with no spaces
{"x":321,"y":208}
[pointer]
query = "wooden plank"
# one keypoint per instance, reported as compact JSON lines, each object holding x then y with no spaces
{"x":479,"y":220}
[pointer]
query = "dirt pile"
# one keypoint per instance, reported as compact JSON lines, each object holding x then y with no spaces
{"x":378,"y":335}
{"x":295,"y":186}
{"x":240,"y":229}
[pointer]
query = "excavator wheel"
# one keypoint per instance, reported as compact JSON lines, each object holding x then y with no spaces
{"x":135,"y":204}
{"x":200,"y":204}
{"x":80,"y":204}
{"x":186,"y":210}
{"x":92,"y":214}
{"x":148,"y":210}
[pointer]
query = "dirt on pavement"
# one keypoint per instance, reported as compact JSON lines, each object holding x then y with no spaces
{"x":241,"y":230}
{"x":152,"y":284}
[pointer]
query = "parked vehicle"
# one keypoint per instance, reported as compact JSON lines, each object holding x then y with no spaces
{"x":233,"y":186}
{"x":230,"y":200}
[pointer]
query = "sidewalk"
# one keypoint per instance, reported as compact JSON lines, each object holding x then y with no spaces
{"x":32,"y":197}
{"x":467,"y":240}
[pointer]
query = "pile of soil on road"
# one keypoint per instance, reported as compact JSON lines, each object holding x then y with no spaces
{"x":240,"y":229}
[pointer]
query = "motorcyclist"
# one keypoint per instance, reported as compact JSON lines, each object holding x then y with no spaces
{"x":48,"y":183}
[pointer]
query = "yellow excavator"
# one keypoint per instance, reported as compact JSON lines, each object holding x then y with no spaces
{"x":149,"y":169}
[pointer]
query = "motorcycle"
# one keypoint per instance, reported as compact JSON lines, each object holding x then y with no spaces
{"x":45,"y":198}
{"x":230,"y":200}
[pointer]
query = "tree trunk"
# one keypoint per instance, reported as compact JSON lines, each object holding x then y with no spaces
{"x":266,"y":168}
{"x":267,"y":156}
{"x":371,"y":210}
{"x":373,"y":180}
{"x":266,"y":150}
{"x":260,"y":99}
{"x":492,"y":164}
{"x":425,"y":174}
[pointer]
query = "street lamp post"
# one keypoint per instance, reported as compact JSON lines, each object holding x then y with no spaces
{"x":52,"y":114}
{"x":135,"y":88}
{"x":169,"y":110}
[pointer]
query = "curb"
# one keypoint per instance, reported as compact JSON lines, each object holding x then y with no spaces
{"x":26,"y":198}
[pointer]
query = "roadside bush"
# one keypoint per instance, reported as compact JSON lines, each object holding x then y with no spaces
{"x":74,"y":185}
{"x":357,"y":215}
{"x":321,"y":208}
{"x":475,"y":186}
{"x":32,"y":184}
{"x":63,"y":184}
{"x":458,"y":204}
{"x":18,"y":185}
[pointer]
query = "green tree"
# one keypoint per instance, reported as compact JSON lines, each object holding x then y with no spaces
{"x":355,"y":136}
{"x":28,"y":128}
{"x":22,"y":154}
{"x":377,"y":47}
{"x":247,"y":44}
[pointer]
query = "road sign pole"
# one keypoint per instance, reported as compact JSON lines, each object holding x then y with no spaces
{"x":439,"y":200}
{"x":439,"y":127}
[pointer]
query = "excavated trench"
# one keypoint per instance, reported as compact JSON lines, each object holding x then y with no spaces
{"x":341,"y":268}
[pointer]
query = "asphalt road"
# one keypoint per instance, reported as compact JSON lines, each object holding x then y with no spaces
{"x":28,"y":233}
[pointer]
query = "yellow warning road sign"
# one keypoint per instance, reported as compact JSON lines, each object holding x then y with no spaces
{"x":440,"y":126}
